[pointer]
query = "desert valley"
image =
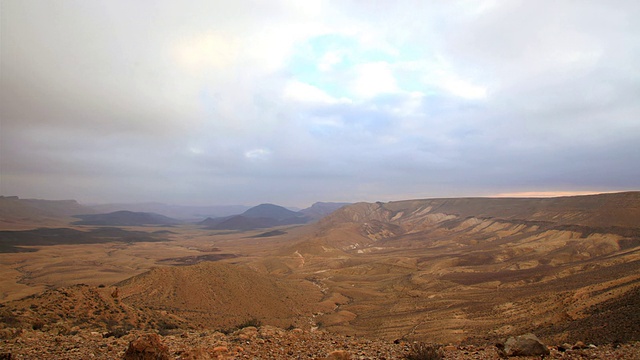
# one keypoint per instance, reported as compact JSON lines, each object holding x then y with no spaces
{"x":462,"y":272}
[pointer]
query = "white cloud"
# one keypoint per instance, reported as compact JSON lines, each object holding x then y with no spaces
{"x":462,"y":88}
{"x":374,"y":79}
{"x":258,"y":154}
{"x":328,"y":60}
{"x":206,"y":51}
{"x":306,"y":93}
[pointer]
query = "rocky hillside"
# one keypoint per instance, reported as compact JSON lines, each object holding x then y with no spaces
{"x":455,"y":269}
{"x":321,"y":209}
{"x":596,"y":211}
{"x":82,"y":322}
{"x":220,"y":295}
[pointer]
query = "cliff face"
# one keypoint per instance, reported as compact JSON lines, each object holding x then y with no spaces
{"x":23,"y":213}
{"x":602,"y":210}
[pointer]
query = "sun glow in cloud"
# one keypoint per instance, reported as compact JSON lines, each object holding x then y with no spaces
{"x":205,"y":51}
{"x":547,"y":194}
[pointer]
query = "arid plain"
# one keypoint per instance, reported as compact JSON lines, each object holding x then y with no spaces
{"x":473,"y":270}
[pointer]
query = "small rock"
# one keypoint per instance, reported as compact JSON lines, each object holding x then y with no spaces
{"x":220,"y":350}
{"x":523,"y":345}
{"x":579,"y":345}
{"x":564,"y":347}
{"x":267,"y":332}
{"x":195,"y":354}
{"x":250,"y":332}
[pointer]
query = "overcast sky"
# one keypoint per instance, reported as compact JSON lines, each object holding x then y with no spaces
{"x":292,"y":102}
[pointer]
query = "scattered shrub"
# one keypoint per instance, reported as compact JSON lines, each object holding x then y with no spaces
{"x":9,"y":319}
{"x":422,"y":351}
{"x":251,"y":322}
{"x":164,"y":327}
{"x":37,"y":325}
{"x":116,"y":332}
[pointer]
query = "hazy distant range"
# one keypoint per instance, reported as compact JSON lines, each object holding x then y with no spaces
{"x":182,"y":212}
{"x":186,"y":212}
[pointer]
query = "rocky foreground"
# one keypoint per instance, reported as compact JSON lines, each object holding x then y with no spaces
{"x":265,"y":342}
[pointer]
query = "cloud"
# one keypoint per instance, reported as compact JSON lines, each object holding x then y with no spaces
{"x":373,"y":79}
{"x":258,"y":154}
{"x":305,"y":93}
{"x":247,"y":102}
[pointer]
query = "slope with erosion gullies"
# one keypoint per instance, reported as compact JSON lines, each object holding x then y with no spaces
{"x":345,"y":229}
{"x":616,"y":214}
{"x":600,"y":210}
{"x":455,"y":269}
{"x":219,"y":295}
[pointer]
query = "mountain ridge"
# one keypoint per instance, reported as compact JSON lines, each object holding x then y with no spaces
{"x":125,"y":218}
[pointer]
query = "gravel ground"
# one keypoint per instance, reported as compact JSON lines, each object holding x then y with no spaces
{"x":259,"y":343}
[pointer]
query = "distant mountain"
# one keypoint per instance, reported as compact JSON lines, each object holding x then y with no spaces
{"x":125,"y":218}
{"x":183,"y":212}
{"x":271,"y":211}
{"x":240,"y":222}
{"x":258,"y":217}
{"x":211,"y":222}
{"x":322,"y":209}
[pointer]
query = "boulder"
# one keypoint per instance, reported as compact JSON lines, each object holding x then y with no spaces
{"x":579,"y":345}
{"x":523,"y":345}
{"x":147,"y":347}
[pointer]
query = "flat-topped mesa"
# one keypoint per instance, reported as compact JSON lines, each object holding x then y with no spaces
{"x":602,"y":210}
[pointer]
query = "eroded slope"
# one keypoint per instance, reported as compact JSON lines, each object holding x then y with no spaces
{"x":455,"y":269}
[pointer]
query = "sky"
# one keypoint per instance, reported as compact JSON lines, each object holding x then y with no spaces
{"x":292,"y":102}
